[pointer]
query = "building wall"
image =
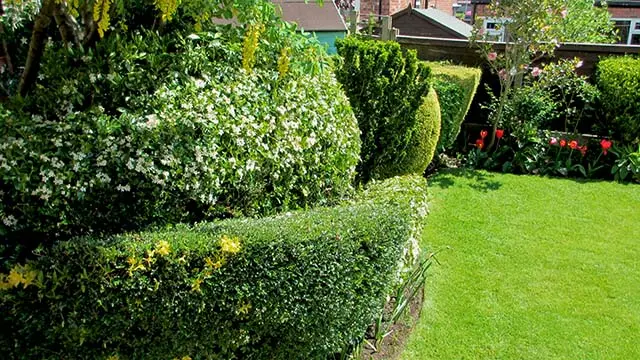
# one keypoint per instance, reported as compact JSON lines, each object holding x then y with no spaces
{"x":616,"y":12}
{"x":624,"y":12}
{"x":389,"y":7}
{"x":329,"y":38}
{"x":414,"y":25}
{"x":445,"y":6}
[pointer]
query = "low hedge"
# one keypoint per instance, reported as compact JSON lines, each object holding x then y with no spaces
{"x":618,"y":79}
{"x":301,"y":285}
{"x":385,"y":87}
{"x":456,"y":87}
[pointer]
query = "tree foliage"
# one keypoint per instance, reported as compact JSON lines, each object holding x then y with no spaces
{"x":535,"y":28}
{"x":28,"y":26}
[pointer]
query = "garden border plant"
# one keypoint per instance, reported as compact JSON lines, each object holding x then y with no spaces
{"x":298,"y":285}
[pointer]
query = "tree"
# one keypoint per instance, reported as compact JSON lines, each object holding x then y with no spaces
{"x":534,"y":29}
{"x":83,"y":22}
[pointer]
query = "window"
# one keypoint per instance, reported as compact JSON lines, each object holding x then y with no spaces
{"x":494,"y":29}
{"x":628,"y":30}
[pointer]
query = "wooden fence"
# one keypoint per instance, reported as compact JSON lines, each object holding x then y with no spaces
{"x":461,"y":52}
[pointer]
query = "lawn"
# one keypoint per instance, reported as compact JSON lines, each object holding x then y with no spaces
{"x":537,"y":268}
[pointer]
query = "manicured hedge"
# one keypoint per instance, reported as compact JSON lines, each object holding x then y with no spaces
{"x":424,"y":139}
{"x":456,"y":86}
{"x":300,"y":285}
{"x":385,"y":87}
{"x":618,"y":79}
{"x":229,"y":143}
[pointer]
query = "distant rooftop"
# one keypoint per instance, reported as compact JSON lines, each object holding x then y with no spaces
{"x":310,"y":16}
{"x":446,"y":20}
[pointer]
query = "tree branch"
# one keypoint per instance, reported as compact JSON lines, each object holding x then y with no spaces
{"x":36,"y":47}
{"x":65,"y":26}
{"x":5,"y":48}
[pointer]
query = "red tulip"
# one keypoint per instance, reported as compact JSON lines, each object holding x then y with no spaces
{"x":606,"y":145}
{"x":499,"y":133}
{"x":563,"y":143}
{"x":480,"y":144}
{"x":573,"y":144}
{"x":583,"y":150}
{"x":483,"y":134}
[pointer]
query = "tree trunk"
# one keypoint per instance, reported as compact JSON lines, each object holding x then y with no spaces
{"x":36,"y":47}
{"x":65,"y":26}
{"x":5,"y":49}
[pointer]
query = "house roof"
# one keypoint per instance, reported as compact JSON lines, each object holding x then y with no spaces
{"x":451,"y":22}
{"x":610,"y":3}
{"x":311,"y":16}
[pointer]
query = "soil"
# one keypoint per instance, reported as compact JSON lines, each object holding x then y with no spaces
{"x":392,"y":345}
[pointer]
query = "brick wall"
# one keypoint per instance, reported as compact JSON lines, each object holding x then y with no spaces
{"x":624,"y":12}
{"x":389,"y":7}
{"x":445,"y":6}
{"x":616,"y":12}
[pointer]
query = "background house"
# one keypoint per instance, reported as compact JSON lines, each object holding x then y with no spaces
{"x":323,"y":21}
{"x":459,"y":8}
{"x":430,"y":22}
{"x":625,"y":14}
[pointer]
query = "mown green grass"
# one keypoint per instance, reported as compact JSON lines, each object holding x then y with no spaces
{"x":538,"y":269}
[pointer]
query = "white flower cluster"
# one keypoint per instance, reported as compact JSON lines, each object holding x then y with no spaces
{"x":245,"y":140}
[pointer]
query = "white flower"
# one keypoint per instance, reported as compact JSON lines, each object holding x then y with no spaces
{"x":152,"y":120}
{"x":9,"y":221}
{"x":251,"y":165}
{"x":311,"y":140}
{"x":124,"y":188}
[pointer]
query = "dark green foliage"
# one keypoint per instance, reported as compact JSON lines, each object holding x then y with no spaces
{"x":385,"y":88}
{"x":618,"y":79}
{"x":295,"y":286}
{"x":456,"y":87}
{"x":527,"y":109}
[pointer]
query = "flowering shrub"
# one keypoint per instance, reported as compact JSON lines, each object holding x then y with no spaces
{"x":298,"y":285}
{"x":546,"y":154}
{"x":572,"y":94}
{"x":225,"y":143}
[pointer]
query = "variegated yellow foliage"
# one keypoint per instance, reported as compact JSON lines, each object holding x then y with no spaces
{"x":250,"y":45}
{"x":283,"y":61}
{"x":167,"y":8}
{"x":101,"y":15}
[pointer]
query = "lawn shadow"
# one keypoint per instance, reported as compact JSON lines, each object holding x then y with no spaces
{"x":482,"y":181}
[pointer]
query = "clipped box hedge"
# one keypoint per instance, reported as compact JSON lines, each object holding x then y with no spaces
{"x":618,"y":79}
{"x":385,"y":86}
{"x":456,"y":87}
{"x":301,"y":285}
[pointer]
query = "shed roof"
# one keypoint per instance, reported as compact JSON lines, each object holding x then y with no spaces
{"x":446,"y":20}
{"x":311,"y":16}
